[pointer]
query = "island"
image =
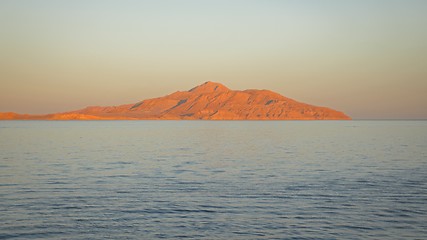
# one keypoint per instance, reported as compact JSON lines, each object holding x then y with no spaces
{"x":208,"y":101}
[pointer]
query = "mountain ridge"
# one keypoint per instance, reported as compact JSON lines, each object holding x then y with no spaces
{"x":208,"y":101}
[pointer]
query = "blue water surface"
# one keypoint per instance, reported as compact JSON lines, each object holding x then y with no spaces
{"x":213,"y":179}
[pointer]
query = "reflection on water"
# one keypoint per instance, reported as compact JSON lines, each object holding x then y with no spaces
{"x":213,"y":179}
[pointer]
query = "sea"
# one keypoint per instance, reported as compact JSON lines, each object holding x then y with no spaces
{"x":213,"y":179}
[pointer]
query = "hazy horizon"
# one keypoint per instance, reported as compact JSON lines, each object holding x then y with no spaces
{"x":367,"y":59}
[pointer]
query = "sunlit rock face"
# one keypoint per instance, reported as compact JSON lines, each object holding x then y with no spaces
{"x":208,"y":101}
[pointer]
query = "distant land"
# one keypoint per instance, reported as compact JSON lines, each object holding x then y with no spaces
{"x":208,"y":101}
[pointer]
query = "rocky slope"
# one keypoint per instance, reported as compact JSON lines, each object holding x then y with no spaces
{"x":209,"y":101}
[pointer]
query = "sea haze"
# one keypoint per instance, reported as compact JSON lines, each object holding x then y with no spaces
{"x":213,"y":179}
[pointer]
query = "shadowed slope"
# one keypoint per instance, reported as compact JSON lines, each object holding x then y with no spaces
{"x":209,"y":101}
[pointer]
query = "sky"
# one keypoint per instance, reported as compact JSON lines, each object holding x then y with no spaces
{"x":367,"y":58}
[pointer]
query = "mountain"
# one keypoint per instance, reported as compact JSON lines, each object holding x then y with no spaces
{"x":209,"y":101}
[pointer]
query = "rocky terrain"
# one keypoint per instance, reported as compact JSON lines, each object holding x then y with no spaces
{"x":209,"y":101}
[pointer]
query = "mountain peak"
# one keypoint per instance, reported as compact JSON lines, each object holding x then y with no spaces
{"x":210,"y":101}
{"x":209,"y":87}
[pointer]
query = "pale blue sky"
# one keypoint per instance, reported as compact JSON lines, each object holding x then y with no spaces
{"x":366,"y":58}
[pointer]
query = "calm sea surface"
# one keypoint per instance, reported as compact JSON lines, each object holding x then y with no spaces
{"x":213,"y":179}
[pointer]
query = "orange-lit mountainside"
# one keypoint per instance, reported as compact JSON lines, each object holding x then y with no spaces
{"x":209,"y":101}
